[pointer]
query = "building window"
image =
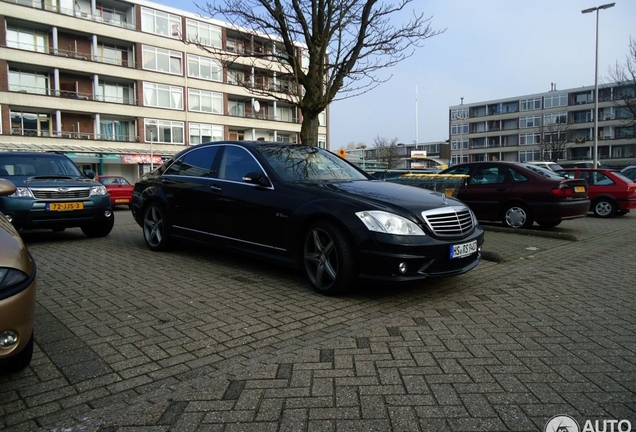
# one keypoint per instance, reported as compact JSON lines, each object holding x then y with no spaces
{"x":457,"y":129}
{"x":286,"y":114}
{"x":201,"y":133}
{"x":322,"y":141}
{"x":204,"y":68}
{"x":554,"y":101}
{"x":236,"y":108}
{"x":530,"y":104}
{"x":322,"y":118}
{"x":27,"y":39}
{"x":114,"y":130}
{"x":529,"y":155}
{"x":205,"y":101}
{"x":111,"y":54}
{"x":529,"y":138}
{"x":30,"y":123}
{"x":203,"y":33}
{"x":115,"y":92}
{"x":529,"y":121}
{"x":162,"y":60}
{"x":163,"y":131}
{"x":460,"y":144}
{"x":161,"y":23}
{"x":163,"y":96}
{"x":555,"y":118}
{"x":459,"y":113}
{"x":28,"y":82}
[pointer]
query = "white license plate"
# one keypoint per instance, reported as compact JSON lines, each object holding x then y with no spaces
{"x":464,"y":249}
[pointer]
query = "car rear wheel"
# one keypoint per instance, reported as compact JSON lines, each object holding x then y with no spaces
{"x":548,"y":224}
{"x":21,"y":360}
{"x":157,"y":228}
{"x":328,"y":259}
{"x":517,"y":216}
{"x":101,"y":228}
{"x":604,"y":208}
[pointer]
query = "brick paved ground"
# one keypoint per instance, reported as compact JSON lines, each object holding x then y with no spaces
{"x":130,"y":340}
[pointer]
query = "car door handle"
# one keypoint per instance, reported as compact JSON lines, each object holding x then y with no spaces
{"x":216,"y":188}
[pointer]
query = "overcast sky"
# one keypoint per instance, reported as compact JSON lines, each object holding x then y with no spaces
{"x":491,"y":49}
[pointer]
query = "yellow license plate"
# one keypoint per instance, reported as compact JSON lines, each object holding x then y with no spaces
{"x":579,"y":188}
{"x":67,"y":206}
{"x":122,"y":200}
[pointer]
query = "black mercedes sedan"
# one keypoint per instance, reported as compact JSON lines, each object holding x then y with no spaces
{"x":308,"y":208}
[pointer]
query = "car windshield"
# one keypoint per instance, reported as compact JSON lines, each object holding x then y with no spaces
{"x":107,"y":181}
{"x":306,"y":163}
{"x":44,"y":165}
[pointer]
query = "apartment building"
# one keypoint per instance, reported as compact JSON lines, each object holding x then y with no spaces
{"x":120,"y":85}
{"x":558,"y":124}
{"x":411,"y":156}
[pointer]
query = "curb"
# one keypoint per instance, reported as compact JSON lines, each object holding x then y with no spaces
{"x":532,"y":232}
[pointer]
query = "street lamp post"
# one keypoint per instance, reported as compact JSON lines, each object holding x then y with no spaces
{"x":589,"y":10}
{"x":461,"y":117}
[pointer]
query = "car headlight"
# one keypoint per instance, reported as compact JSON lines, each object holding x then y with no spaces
{"x":388,"y":223}
{"x":99,"y":190}
{"x":22,"y":192}
{"x":10,"y":277}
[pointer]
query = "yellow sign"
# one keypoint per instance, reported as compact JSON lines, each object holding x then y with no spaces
{"x":342,"y":153}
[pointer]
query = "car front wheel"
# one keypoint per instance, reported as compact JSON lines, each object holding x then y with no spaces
{"x":604,"y":208}
{"x":157,"y":228}
{"x":517,"y":216}
{"x":328,"y":259}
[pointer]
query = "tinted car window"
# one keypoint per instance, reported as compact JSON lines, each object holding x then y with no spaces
{"x":235,"y":163}
{"x":544,"y":172}
{"x":197,"y":163}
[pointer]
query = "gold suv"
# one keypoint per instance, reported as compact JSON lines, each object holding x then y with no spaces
{"x":17,"y":295}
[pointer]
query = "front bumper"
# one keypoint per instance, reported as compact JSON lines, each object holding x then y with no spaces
{"x":26,"y":213}
{"x":385,"y":258}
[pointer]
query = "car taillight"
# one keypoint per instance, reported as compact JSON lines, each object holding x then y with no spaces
{"x":631,"y":191}
{"x":562,"y":190}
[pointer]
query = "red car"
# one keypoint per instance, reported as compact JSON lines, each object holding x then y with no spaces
{"x":610,"y":191}
{"x":519,"y":194}
{"x":119,"y":189}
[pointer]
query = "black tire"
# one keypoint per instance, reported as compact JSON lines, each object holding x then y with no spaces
{"x":157,"y":228}
{"x":328,"y":259}
{"x":604,"y":208}
{"x":548,"y":224}
{"x":516,"y":216}
{"x":21,"y":360}
{"x":101,"y":228}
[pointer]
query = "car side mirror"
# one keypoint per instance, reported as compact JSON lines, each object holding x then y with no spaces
{"x":256,"y":177}
{"x":89,"y":173}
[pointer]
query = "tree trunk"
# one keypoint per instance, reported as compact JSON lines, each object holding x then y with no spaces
{"x":309,"y":130}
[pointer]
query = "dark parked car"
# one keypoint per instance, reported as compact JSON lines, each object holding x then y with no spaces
{"x":610,"y":192}
{"x":308,"y":208}
{"x":119,"y":189}
{"x":17,"y":295}
{"x":518,"y":194}
{"x":52,"y":193}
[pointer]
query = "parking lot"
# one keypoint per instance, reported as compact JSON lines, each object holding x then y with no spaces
{"x":196,"y":339}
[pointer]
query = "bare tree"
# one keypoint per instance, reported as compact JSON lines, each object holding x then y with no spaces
{"x":554,"y":137}
{"x":345,"y":44}
{"x":624,"y":75}
{"x":386,"y":151}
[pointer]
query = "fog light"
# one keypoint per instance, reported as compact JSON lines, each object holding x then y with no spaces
{"x":9,"y":217}
{"x":403,"y":267}
{"x":8,"y":338}
{"x":108,"y":213}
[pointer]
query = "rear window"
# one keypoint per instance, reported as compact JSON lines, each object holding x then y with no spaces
{"x":544,"y":172}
